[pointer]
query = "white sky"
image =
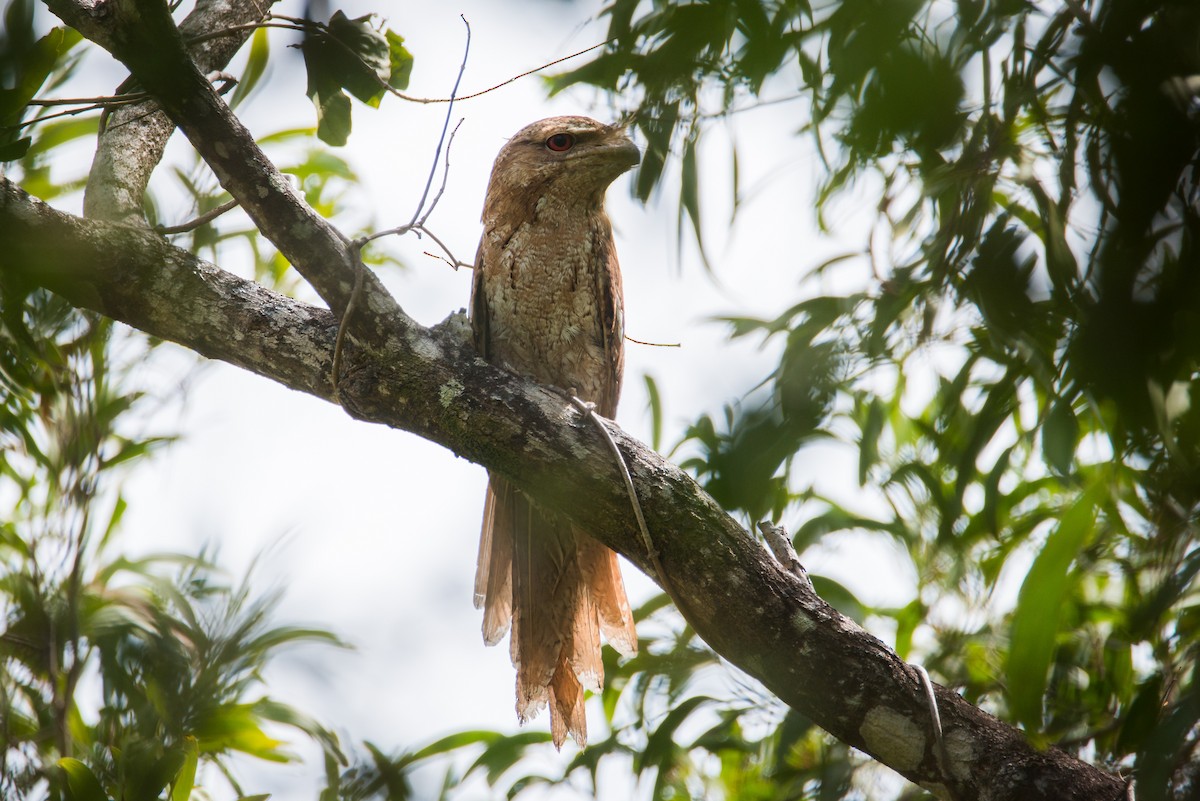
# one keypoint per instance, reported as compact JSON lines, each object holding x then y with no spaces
{"x":373,"y":532}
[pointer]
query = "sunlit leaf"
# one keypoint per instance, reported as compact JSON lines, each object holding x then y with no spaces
{"x":1036,"y":621}
{"x":82,"y":784}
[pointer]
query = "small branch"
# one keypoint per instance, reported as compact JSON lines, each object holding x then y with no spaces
{"x":939,"y":742}
{"x":57,"y":114}
{"x":480,"y":93}
{"x":437,"y":155}
{"x":654,"y":344}
{"x":132,"y":145}
{"x":253,"y":26}
{"x":445,"y":170}
{"x":452,"y":260}
{"x":191,"y":225}
{"x":97,"y":102}
{"x":454,"y":264}
{"x":421,"y":215}
{"x":588,"y":409}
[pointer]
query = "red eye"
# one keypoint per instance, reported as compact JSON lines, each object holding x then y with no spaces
{"x":560,"y":142}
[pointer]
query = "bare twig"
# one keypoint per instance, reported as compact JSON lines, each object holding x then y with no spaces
{"x":589,"y":410}
{"x":108,"y":102}
{"x":421,"y":215}
{"x":416,"y":224}
{"x":502,"y":83}
{"x":654,"y":344}
{"x":302,"y":25}
{"x":939,"y":742}
{"x":191,"y":225}
{"x":102,"y":100}
{"x":452,"y":260}
{"x":446,"y":167}
{"x":355,"y":293}
{"x":437,"y":155}
{"x":252,"y":26}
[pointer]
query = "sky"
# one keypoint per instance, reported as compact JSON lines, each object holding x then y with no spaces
{"x":372,"y":532}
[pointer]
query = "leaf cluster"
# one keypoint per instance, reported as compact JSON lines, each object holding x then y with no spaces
{"x":119,"y":677}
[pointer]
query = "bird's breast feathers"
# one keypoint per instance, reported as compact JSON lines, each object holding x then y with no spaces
{"x":545,"y":315}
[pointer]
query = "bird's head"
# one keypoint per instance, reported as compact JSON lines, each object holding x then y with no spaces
{"x":573,"y":159}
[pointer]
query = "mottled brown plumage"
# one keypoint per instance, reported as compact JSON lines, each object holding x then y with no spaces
{"x":546,"y":303}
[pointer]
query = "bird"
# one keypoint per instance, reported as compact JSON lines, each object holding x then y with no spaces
{"x":546,"y":303}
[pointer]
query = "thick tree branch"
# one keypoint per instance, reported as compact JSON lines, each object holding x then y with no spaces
{"x":428,"y":381}
{"x":133,"y":140}
{"x":143,"y":36}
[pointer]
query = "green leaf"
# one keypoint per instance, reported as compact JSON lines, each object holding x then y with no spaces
{"x":502,"y":753}
{"x":11,"y":151}
{"x":333,"y":117}
{"x":907,"y":619}
{"x":661,"y":743}
{"x":58,"y":132}
{"x":1060,"y":433}
{"x":256,"y":65}
{"x":455,"y":741}
{"x":82,"y":784}
{"x":689,"y":197}
{"x":351,"y":54}
{"x":1036,"y":621}
{"x":36,"y":66}
{"x":235,"y":727}
{"x":654,"y":402}
{"x":839,"y":597}
{"x":400,"y":61}
{"x":868,"y":443}
{"x":185,"y":780}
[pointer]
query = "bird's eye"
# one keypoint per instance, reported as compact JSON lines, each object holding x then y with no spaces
{"x":560,"y":142}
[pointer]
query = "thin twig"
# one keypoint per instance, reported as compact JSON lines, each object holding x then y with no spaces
{"x":482,"y":92}
{"x":589,"y":409}
{"x":437,"y":154}
{"x":445,"y":173}
{"x":939,"y":742}
{"x":416,"y":224}
{"x":307,"y":26}
{"x":250,"y":26}
{"x":453,"y":260}
{"x":421,"y":215}
{"x":654,"y":344}
{"x":102,"y":100}
{"x":191,"y":225}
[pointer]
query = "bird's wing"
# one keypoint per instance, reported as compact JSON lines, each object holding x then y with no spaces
{"x":479,"y":310}
{"x":612,"y":322}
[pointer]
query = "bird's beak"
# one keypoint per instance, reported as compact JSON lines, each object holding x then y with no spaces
{"x":621,"y":149}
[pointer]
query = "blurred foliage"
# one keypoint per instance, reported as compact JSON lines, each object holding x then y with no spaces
{"x":1014,"y":368}
{"x":119,"y":677}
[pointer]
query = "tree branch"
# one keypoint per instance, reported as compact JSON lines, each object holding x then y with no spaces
{"x":142,"y":35}
{"x":131,"y":144}
{"x":429,"y":381}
